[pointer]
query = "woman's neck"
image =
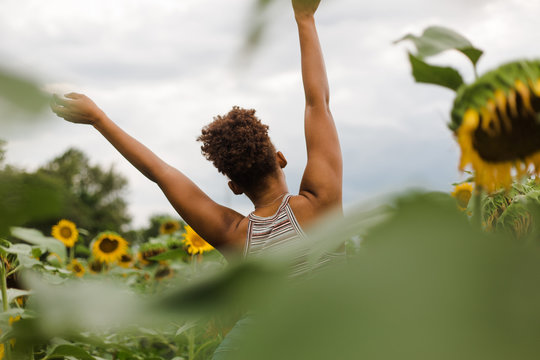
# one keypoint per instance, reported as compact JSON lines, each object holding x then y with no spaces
{"x":273,"y":192}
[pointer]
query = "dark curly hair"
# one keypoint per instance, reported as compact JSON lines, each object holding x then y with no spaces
{"x":239,"y":147}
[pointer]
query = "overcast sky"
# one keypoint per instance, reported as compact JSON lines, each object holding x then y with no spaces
{"x":162,"y":69}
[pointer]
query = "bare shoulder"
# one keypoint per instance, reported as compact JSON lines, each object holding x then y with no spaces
{"x":307,"y":208}
{"x":235,"y":238}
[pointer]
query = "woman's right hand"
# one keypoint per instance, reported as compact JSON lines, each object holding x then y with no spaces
{"x":77,"y":108}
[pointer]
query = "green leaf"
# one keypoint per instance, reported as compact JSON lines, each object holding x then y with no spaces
{"x":61,"y":351}
{"x":437,"y":75}
{"x":15,"y":293}
{"x":35,"y":237}
{"x":437,"y":39}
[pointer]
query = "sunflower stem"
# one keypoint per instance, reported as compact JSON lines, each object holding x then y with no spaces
{"x":71,"y":254}
{"x":477,"y":209}
{"x":191,"y":344}
{"x":5,"y":303}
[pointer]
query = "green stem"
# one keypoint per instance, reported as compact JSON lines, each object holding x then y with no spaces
{"x":5,"y":303}
{"x":477,"y":208}
{"x":13,"y":271}
{"x":71,"y":254}
{"x":191,"y":345}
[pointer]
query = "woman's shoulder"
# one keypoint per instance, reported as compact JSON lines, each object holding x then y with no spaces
{"x":307,"y":208}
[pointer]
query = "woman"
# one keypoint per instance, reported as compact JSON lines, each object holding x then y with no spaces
{"x":239,"y":146}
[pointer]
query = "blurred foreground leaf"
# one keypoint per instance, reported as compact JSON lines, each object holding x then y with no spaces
{"x":22,"y":93}
{"x":426,"y":285}
{"x":25,"y":197}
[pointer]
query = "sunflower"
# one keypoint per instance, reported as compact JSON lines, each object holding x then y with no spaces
{"x":169,"y":227}
{"x":66,"y":232}
{"x":163,"y":272}
{"x":126,"y":261}
{"x":95,"y":266}
{"x":496,"y":121}
{"x":76,"y":267}
{"x":149,"y":250}
{"x":195,"y":244}
{"x":463,"y":193}
{"x":109,"y":247}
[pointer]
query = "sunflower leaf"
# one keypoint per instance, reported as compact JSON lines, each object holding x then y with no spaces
{"x":437,"y":75}
{"x":63,"y":350}
{"x":437,"y":39}
{"x":15,"y":293}
{"x":35,"y":237}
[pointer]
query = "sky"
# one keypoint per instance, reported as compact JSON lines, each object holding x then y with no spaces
{"x":163,"y":69}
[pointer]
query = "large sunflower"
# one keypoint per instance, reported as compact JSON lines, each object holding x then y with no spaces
{"x":109,"y":247}
{"x":169,"y":227}
{"x":497,"y":124}
{"x":66,"y":232}
{"x":463,"y":193}
{"x":195,"y":244}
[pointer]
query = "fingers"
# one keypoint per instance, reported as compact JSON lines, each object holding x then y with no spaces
{"x":73,"y":95}
{"x":64,"y":102}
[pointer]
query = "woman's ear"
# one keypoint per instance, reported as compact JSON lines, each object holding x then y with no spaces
{"x":281,"y":159}
{"x":235,"y":188}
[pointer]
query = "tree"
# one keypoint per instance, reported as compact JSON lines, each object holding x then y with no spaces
{"x":94,"y":196}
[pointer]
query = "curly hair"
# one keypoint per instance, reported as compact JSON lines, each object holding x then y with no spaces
{"x":239,"y":146}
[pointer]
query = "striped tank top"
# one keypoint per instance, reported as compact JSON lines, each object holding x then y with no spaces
{"x":272,"y":234}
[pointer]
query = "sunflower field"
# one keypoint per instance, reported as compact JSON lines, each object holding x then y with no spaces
{"x":427,"y":275}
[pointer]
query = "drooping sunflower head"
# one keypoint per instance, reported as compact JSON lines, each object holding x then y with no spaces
{"x":195,"y":244}
{"x":496,"y":121}
{"x":149,"y":250}
{"x":77,"y":268}
{"x":163,"y":272}
{"x":169,"y":227}
{"x":126,"y":261}
{"x":462,"y":193}
{"x":109,"y":247}
{"x":66,"y":232}
{"x":95,"y":266}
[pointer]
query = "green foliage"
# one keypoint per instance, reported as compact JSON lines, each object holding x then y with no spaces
{"x":94,"y":196}
{"x":514,"y":212}
{"x":2,"y":151}
{"x":27,"y":197}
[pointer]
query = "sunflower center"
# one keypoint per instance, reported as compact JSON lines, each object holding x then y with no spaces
{"x":96,"y":266}
{"x":169,"y":226}
{"x":125,"y":258}
{"x":197,"y":241}
{"x":108,"y":245}
{"x":463,"y":197}
{"x":520,"y":140}
{"x":65,"y":232}
{"x":77,"y":268}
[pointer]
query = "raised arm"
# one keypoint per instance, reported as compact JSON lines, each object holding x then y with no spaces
{"x":322,"y":179}
{"x":210,"y":220}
